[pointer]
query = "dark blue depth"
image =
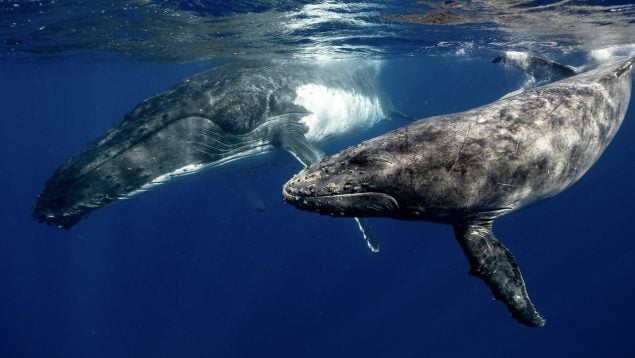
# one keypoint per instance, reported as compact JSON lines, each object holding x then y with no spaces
{"x":192,"y":270}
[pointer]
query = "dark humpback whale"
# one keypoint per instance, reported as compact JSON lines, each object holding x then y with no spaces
{"x":468,"y":169}
{"x":213,"y":118}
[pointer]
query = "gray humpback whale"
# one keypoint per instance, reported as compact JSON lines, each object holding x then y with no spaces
{"x":213,"y":118}
{"x":468,"y":169}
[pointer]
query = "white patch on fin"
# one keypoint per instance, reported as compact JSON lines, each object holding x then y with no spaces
{"x":521,"y":57}
{"x":197,"y":167}
{"x":370,"y":241}
{"x":298,"y":159}
{"x":336,"y":111}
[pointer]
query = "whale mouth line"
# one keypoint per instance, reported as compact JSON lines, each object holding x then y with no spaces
{"x":345,"y":195}
{"x":349,"y":204}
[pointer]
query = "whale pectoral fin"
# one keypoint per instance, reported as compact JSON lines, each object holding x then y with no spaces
{"x":367,"y":233}
{"x":292,"y":139}
{"x":495,"y":264}
{"x":303,"y":150}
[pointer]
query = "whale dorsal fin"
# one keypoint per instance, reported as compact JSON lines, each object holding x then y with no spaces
{"x":495,"y":264}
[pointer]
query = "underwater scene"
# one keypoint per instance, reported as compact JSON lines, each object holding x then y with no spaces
{"x":271,"y":178}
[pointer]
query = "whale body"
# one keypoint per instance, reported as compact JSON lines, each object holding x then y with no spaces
{"x":467,"y":169}
{"x":213,"y":118}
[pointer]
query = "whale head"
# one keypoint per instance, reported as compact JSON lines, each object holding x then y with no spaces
{"x":359,"y":181}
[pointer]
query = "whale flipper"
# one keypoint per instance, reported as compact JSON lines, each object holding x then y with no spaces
{"x":367,"y":232}
{"x":495,"y":264}
{"x":292,"y":138}
{"x":303,"y":150}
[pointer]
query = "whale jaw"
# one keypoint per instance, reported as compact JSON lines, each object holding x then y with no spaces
{"x":346,"y":205}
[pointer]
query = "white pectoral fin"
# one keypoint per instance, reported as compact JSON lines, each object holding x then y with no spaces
{"x":368,"y":234}
{"x":291,"y":135}
{"x":303,"y":150}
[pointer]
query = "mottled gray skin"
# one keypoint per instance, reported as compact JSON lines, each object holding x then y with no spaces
{"x":467,"y":169}
{"x":236,"y":110}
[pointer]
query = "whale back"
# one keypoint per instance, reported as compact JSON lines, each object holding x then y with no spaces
{"x":481,"y":163}
{"x":525,"y":148}
{"x":521,"y":149}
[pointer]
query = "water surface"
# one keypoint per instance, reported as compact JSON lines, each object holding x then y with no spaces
{"x":193,"y":269}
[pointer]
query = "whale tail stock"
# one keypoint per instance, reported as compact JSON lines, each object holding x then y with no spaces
{"x":495,"y":264}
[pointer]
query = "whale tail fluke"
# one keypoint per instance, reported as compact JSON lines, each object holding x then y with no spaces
{"x":541,"y":69}
{"x":495,"y":264}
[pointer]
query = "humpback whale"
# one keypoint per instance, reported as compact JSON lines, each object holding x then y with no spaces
{"x":467,"y":169}
{"x":213,"y":118}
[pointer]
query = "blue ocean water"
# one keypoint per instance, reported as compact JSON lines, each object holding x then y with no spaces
{"x":192,"y":269}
